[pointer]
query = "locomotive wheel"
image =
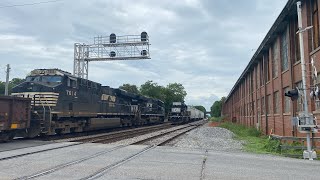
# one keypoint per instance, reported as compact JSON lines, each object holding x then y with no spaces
{"x":7,"y":136}
{"x":59,"y":131}
{"x":4,"y":138}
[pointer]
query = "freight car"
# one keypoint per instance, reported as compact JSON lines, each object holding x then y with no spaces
{"x":14,"y":116}
{"x":181,"y":113}
{"x":62,"y":103}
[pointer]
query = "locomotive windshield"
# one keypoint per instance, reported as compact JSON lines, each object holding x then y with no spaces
{"x":50,"y":79}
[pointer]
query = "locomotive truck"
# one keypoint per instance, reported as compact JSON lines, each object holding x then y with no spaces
{"x":62,"y":103}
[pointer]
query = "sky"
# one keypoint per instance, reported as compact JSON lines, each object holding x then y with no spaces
{"x":203,"y":44}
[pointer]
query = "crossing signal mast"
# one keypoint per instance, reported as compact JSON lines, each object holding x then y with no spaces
{"x":110,"y":48}
{"x":305,"y":121}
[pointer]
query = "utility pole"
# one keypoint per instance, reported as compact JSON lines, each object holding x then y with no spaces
{"x":6,"y":92}
{"x":306,"y":124}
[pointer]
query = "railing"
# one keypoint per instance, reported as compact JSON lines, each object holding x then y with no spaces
{"x":295,"y":143}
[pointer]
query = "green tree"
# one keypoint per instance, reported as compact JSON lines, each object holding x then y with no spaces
{"x":173,"y":92}
{"x":201,"y":108}
{"x":12,"y":83}
{"x":152,"y":89}
{"x":130,"y":88}
{"x":217,"y":107}
{"x":176,"y":92}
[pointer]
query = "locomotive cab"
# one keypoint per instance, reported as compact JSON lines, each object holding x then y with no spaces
{"x":179,"y":113}
{"x":47,"y":88}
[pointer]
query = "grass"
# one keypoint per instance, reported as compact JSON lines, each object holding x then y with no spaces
{"x":256,"y":142}
{"x":216,"y":119}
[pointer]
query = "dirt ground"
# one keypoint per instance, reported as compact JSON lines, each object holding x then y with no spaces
{"x":213,"y":124}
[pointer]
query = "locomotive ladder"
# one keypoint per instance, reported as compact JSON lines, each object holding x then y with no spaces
{"x":42,"y":123}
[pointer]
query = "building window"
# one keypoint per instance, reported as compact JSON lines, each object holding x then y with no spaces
{"x":315,"y":23}
{"x":257,"y":77}
{"x":258,"y":106}
{"x":317,"y":85}
{"x":276,"y":102}
{"x":251,"y":82}
{"x":262,"y":105}
{"x":253,"y":106}
{"x":267,"y":68}
{"x":284,"y":50}
{"x":269,"y":104}
{"x":246,"y":110}
{"x":299,"y":100}
{"x":286,"y":105}
{"x":261,"y":73}
{"x":295,"y":38}
{"x":275,"y":60}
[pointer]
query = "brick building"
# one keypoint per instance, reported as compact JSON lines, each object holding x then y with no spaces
{"x":257,"y":98}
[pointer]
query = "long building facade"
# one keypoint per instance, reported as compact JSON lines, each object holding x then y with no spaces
{"x":257,"y":98}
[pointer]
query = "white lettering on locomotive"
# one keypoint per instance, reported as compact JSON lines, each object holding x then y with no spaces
{"x":71,"y":93}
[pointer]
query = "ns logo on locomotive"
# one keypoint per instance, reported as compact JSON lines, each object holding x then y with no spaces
{"x":62,"y":103}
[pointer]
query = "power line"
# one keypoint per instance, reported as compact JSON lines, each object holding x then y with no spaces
{"x":29,"y":4}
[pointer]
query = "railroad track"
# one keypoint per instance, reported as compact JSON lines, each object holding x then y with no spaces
{"x":38,"y":151}
{"x":120,"y":135}
{"x":79,"y":135}
{"x":85,"y":139}
{"x":171,"y":134}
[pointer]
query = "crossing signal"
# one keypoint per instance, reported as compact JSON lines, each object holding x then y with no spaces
{"x":293,"y":94}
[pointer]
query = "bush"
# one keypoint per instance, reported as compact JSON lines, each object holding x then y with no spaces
{"x":273,"y":145}
{"x":241,"y":130}
{"x":216,"y":119}
{"x":254,"y":132}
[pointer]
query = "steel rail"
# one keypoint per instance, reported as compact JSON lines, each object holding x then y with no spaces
{"x":39,"y":151}
{"x":102,"y":171}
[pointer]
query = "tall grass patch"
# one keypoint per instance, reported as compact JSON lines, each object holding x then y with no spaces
{"x":253,"y":139}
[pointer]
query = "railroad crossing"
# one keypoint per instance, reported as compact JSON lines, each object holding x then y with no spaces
{"x":148,"y":155}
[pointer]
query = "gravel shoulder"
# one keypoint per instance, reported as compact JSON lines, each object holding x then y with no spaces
{"x":210,"y":138}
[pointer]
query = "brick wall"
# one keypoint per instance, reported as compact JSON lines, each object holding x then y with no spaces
{"x":256,"y":107}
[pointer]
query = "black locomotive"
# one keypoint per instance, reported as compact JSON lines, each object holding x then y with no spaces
{"x":63,"y":103}
{"x":182,"y":113}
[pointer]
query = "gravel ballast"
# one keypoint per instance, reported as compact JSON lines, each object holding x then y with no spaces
{"x":204,"y":137}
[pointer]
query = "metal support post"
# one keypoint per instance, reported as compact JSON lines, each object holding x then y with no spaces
{"x":110,"y":48}
{"x":6,"y":92}
{"x":303,"y":64}
{"x":308,"y":119}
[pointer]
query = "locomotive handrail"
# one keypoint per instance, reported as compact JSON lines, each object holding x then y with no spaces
{"x":44,"y":109}
{"x":49,"y":107}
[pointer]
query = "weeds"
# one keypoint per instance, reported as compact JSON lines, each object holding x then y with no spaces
{"x":254,"y":140}
{"x":216,"y":119}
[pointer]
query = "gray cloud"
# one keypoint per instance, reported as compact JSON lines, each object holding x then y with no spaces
{"x":203,"y":44}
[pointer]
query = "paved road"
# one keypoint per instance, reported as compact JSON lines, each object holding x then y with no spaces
{"x":18,"y":144}
{"x":157,"y":163}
